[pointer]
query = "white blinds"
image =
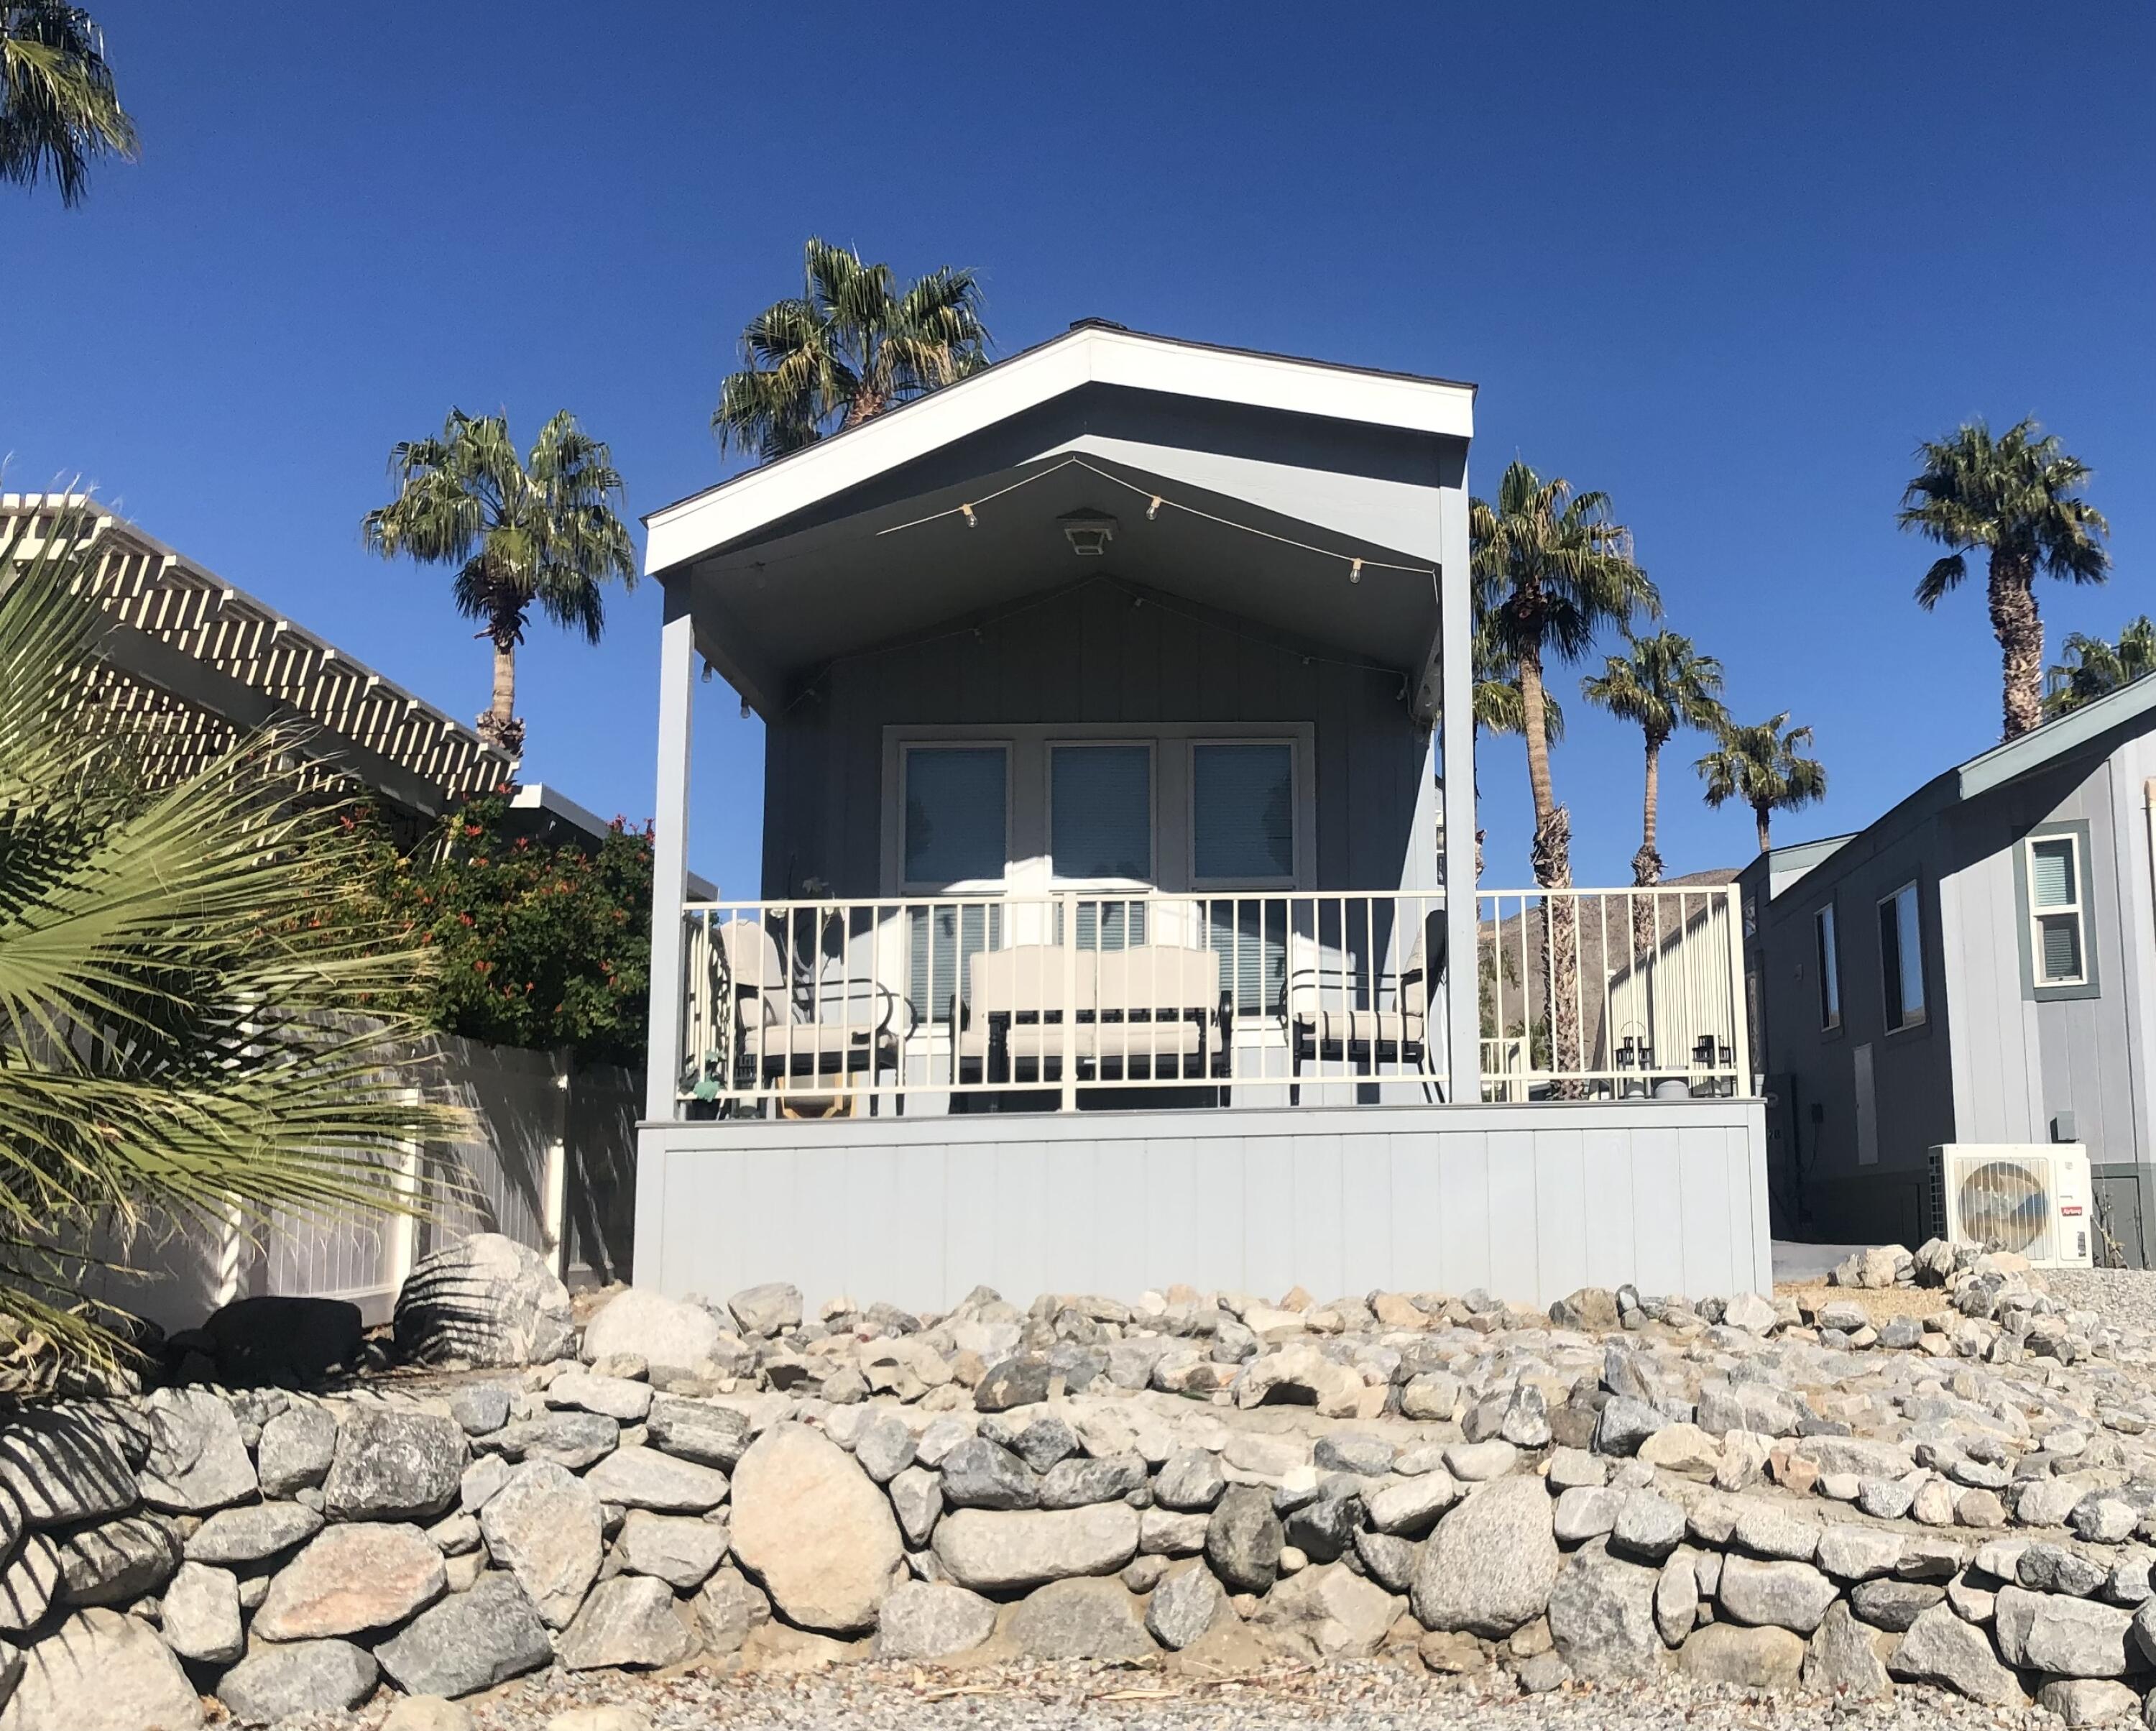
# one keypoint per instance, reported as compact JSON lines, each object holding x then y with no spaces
{"x":1101,"y":811}
{"x":1243,"y":812}
{"x":2052,"y":875}
{"x":955,"y":828}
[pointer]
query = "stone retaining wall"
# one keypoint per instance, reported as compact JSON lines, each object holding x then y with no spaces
{"x":1740,"y":1491}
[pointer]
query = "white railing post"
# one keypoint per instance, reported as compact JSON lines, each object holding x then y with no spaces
{"x":1740,"y":1040}
{"x":1070,"y":921}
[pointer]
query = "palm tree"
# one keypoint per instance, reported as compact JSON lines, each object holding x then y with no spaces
{"x":1765,"y":767}
{"x":2094,"y":669}
{"x":1660,"y":684}
{"x":1550,"y":570}
{"x":542,"y":529}
{"x":58,"y":105}
{"x":848,"y":347}
{"x":2015,"y":495}
{"x":183,"y":974}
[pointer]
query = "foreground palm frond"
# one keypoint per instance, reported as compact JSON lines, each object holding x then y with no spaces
{"x":58,"y":109}
{"x":195,"y":1020}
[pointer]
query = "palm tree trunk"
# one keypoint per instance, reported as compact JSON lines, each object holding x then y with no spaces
{"x":1552,"y":865}
{"x":1761,"y":814}
{"x":2016,"y":623}
{"x":1647,"y":863}
{"x":500,"y":726}
{"x":868,"y":402}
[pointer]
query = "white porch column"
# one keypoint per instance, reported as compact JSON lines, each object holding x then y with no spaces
{"x":1463,"y":1000}
{"x":669,"y":873}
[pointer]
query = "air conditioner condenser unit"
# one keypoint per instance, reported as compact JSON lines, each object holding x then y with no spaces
{"x":2032,"y":1197}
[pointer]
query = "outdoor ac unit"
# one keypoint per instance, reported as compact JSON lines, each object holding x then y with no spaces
{"x":2028,"y":1197}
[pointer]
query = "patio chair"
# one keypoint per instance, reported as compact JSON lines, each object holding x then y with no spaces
{"x":1327,"y":1023}
{"x":1137,"y":1011}
{"x":774,"y":1041}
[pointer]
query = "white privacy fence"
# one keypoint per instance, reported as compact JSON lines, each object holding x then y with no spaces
{"x":813,"y":1008}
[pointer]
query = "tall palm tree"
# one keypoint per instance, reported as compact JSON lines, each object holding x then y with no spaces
{"x":522,"y":531}
{"x":1765,"y":767}
{"x":195,"y":1000}
{"x":1660,"y":684}
{"x":2094,"y":668}
{"x":849,"y":345}
{"x":2015,"y":495}
{"x":1551,"y":569}
{"x":58,"y":105}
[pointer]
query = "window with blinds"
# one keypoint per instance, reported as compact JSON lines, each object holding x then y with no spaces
{"x":1242,"y":813}
{"x":956,"y":821}
{"x":1100,"y":799}
{"x":2058,"y":942}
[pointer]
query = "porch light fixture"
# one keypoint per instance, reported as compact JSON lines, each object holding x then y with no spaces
{"x":1088,"y":532}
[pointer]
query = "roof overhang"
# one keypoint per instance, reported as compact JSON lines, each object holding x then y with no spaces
{"x":2042,"y":746}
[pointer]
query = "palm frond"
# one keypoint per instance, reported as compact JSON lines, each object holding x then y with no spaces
{"x":59,"y":109}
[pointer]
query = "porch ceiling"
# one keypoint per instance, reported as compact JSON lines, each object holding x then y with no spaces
{"x":770,"y":614}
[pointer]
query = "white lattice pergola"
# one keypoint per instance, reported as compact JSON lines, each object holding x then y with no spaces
{"x":191,"y":663}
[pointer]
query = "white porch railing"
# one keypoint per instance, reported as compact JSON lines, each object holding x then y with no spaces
{"x":932,"y":1005}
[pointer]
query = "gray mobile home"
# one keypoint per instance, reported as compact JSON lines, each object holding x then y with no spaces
{"x":1977,"y":966}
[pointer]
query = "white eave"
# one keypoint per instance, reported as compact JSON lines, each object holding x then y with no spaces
{"x":1087,"y":354}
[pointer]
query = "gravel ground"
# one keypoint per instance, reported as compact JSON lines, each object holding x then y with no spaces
{"x":2124,"y":1298}
{"x":1366,"y":1697}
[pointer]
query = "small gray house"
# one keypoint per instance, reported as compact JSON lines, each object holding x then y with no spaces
{"x":1977,"y":966}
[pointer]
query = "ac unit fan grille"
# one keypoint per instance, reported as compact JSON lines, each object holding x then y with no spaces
{"x":2002,"y":1202}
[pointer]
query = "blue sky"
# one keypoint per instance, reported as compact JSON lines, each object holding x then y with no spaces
{"x":1729,"y":264}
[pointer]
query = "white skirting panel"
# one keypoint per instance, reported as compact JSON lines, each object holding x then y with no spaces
{"x":1530,"y":1202}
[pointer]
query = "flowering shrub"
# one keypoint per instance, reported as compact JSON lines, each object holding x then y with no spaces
{"x":539,"y":945}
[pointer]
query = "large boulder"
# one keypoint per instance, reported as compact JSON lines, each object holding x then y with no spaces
{"x":260,"y":1530}
{"x":1602,"y":1616}
{"x":1080,"y":1619}
{"x":1242,"y":1539}
{"x":349,"y":1580}
{"x":60,"y":1465}
{"x":647,"y":1478}
{"x":1940,"y":1648}
{"x":201,"y":1618}
{"x":996,"y":1551}
{"x":1765,"y":1658}
{"x":119,"y":1562}
{"x":679,"y":1551}
{"x":1184,"y":1607}
{"x":276,"y":1683}
{"x":393,"y":1464}
{"x":195,"y":1461}
{"x":545,"y":1527}
{"x":816,"y":1530}
{"x":697,"y":1430}
{"x":283,"y":1342}
{"x":470,"y":1641}
{"x":1782,"y":1595}
{"x":296,"y":1449}
{"x":1329,"y":1612}
{"x":102,"y":1671}
{"x":1842,"y":1661}
{"x":1489,"y":1568}
{"x":674,"y":1337}
{"x":771,"y":1308}
{"x":2063,"y":1637}
{"x":924,"y":1620}
{"x":629,"y":1621}
{"x":488,"y":1300}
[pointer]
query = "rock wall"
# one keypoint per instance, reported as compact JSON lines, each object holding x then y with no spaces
{"x":1740,"y":1491}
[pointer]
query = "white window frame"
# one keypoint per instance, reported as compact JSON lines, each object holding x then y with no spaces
{"x":1923,"y":1009}
{"x":2077,"y":910}
{"x":895,"y":825}
{"x":1094,"y":742}
{"x":1296,"y":807}
{"x":1826,"y":953}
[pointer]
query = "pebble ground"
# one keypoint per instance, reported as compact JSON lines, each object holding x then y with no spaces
{"x":1371,"y":1696}
{"x":2124,"y":1298}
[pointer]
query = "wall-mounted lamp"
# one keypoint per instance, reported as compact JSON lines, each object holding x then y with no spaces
{"x":1088,"y":532}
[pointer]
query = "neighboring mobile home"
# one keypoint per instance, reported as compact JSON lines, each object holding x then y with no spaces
{"x":1978,"y":965}
{"x":1105,"y":939}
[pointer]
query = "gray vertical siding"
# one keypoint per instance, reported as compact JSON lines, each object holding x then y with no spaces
{"x":1528,"y":1202}
{"x":1083,"y":656}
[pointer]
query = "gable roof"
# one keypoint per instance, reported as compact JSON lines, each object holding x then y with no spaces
{"x":1092,"y":351}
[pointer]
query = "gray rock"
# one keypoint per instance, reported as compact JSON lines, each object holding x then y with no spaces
{"x":482,"y":1480}
{"x":1163,"y":1532}
{"x":487,"y":1299}
{"x":697,"y":1430}
{"x":816,"y":1530}
{"x":1184,"y":1606}
{"x":1526,"y":1423}
{"x":1354,"y":1451}
{"x":1851,"y":1553}
{"x":1591,"y":1310}
{"x":1841,"y":1660}
{"x":2083,"y":1702}
{"x":1491,"y":1562}
{"x":916,"y":1495}
{"x":30,"y":1583}
{"x":1434,"y":1394}
{"x":481,"y":1408}
{"x":648,"y":1478}
{"x":1893,"y":1604}
{"x":676,"y":1550}
{"x":993,"y":1551}
{"x":573,"y":1440}
{"x":1761,"y":1658}
{"x":1190,"y":1481}
{"x":629,"y":1621}
{"x":933,"y":1620}
{"x":1388,"y":1559}
{"x":1886,"y":1499}
{"x":196,"y":1462}
{"x":58,"y":1465}
{"x":728,"y":1608}
{"x":771,"y":1308}
{"x":101,"y":1671}
{"x":250,"y":1534}
{"x":544,"y":1526}
{"x":1479,"y":1462}
{"x":119,"y":1562}
{"x":1779,"y":1594}
{"x":2065,"y":1638}
{"x":1040,"y":1440}
{"x":1076,"y":1483}
{"x":1539,"y":1673}
{"x":621,"y":1399}
{"x":201,"y":1617}
{"x":1767,"y":1529}
{"x":1649,"y":1527}
{"x":1624,"y":1424}
{"x":349,"y":1580}
{"x":1940,"y":1648}
{"x":1587,"y":1511}
{"x":1411,"y":1507}
{"x":1242,"y":1539}
{"x":1328,"y":1612}
{"x":1677,"y":1598}
{"x":674,"y":1338}
{"x":296,"y":1449}
{"x":1080,"y":1619}
{"x":885,"y":1448}
{"x":1324,"y":1528}
{"x":981,"y":1474}
{"x":276,"y":1683}
{"x":1021,"y":1381}
{"x":1602,"y":1616}
{"x":471,"y":1640}
{"x":2054,"y":1568}
{"x":394,"y":1464}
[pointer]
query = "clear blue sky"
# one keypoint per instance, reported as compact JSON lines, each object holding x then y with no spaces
{"x":1728,"y":262}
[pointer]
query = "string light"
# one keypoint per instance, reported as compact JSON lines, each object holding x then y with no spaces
{"x":971,"y":522}
{"x":1355,"y":572}
{"x":1152,"y":510}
